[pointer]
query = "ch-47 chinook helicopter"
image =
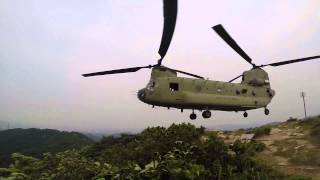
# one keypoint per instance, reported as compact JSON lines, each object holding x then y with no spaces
{"x":166,"y":89}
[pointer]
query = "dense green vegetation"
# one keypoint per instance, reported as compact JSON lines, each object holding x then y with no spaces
{"x":178,"y":152}
{"x":34,"y":142}
{"x":260,"y":131}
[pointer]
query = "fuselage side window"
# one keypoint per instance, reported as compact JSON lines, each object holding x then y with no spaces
{"x":244,"y":91}
{"x":174,"y":86}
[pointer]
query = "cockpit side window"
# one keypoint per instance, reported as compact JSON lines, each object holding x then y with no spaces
{"x":174,"y":86}
{"x":153,"y":84}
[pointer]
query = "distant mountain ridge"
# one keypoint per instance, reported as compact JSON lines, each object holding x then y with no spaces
{"x":35,"y":142}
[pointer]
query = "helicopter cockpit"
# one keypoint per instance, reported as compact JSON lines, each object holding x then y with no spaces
{"x":149,"y":89}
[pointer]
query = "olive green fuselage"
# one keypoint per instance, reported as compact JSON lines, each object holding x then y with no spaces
{"x":167,"y":90}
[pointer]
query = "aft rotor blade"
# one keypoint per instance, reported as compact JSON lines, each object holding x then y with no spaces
{"x":292,"y":61}
{"x":183,"y":72}
{"x":116,"y":71}
{"x":231,"y":42}
{"x":235,"y":78}
{"x":170,"y":16}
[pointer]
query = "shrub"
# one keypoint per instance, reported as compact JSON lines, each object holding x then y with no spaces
{"x":315,"y":134}
{"x":261,"y":131}
{"x":310,"y":122}
{"x":291,"y":119}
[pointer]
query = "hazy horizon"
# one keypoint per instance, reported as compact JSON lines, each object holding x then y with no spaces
{"x":46,"y":45}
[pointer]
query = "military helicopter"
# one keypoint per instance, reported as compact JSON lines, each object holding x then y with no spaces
{"x":166,"y":89}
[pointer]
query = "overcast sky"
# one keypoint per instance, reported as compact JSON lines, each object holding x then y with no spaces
{"x":45,"y":46}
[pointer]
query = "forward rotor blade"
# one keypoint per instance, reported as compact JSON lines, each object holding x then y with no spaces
{"x":235,"y":78}
{"x":170,"y":16}
{"x":231,"y":42}
{"x":292,"y":61}
{"x":116,"y":71}
{"x":183,"y":72}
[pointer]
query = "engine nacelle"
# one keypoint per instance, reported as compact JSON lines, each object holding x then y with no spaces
{"x":255,"y":77}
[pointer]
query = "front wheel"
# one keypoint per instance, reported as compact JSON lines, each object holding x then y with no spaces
{"x":193,"y":116}
{"x":245,"y":114}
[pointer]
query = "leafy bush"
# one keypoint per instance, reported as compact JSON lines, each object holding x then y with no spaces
{"x":310,"y":122}
{"x":261,"y":131}
{"x":315,"y":134}
{"x":141,"y":148}
{"x":291,"y":119}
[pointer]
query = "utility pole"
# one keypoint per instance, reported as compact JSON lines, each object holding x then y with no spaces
{"x":303,"y":95}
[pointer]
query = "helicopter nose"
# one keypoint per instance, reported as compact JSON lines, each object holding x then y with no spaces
{"x":142,"y":94}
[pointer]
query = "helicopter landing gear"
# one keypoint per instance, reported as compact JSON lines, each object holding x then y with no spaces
{"x":193,"y":116}
{"x":206,"y":114}
{"x":245,"y":114}
{"x":266,"y":111}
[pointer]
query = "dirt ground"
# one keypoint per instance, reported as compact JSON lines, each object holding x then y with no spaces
{"x":289,"y":140}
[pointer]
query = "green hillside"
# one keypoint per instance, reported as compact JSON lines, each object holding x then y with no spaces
{"x":288,"y":150}
{"x":34,"y":142}
{"x":177,"y":152}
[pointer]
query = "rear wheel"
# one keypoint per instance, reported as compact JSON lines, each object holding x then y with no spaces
{"x":206,"y":114}
{"x":266,"y":111}
{"x":245,"y":114}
